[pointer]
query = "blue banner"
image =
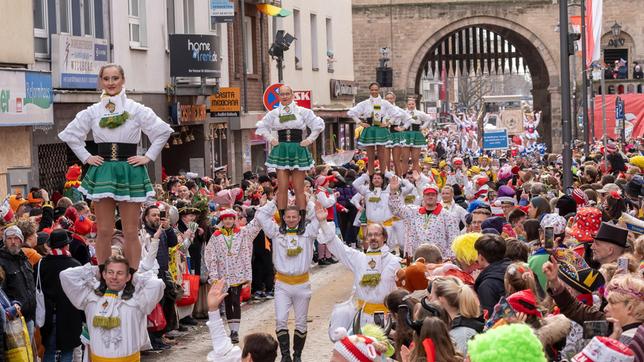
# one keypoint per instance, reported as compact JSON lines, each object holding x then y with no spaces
{"x":495,"y":139}
{"x":79,"y":81}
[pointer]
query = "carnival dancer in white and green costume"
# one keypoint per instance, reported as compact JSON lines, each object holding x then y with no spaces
{"x":415,"y":140}
{"x":397,"y":135}
{"x":373,"y":114}
{"x":284,"y":128}
{"x":116,"y":174}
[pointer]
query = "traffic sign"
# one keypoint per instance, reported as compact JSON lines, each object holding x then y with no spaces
{"x":271,"y":97}
{"x":495,"y":139}
{"x":619,"y":109}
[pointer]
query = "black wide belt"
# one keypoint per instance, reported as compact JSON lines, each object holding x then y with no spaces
{"x":116,"y":151}
{"x":415,"y":127}
{"x":392,"y":129}
{"x":289,"y":135}
{"x":370,"y":121}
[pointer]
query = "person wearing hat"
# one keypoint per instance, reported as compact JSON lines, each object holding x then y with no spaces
{"x":609,"y":243}
{"x":292,"y":255}
{"x":615,"y":159}
{"x":604,"y":349}
{"x":63,"y":322}
{"x":374,"y":270}
{"x":19,"y":283}
{"x":366,"y":346}
{"x":228,"y":257}
{"x":193,"y":243}
{"x":429,"y":223}
{"x":289,"y":153}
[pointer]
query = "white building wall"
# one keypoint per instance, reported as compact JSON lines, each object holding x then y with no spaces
{"x":147,"y":68}
{"x":318,"y":81}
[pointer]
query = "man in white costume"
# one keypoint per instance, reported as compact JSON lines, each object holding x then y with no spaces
{"x":117,"y":327}
{"x":374,"y":271}
{"x":292,"y":254}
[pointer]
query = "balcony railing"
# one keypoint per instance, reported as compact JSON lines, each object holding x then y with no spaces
{"x":620,"y":86}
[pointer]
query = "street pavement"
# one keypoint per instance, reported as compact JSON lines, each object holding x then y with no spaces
{"x":331,"y":284}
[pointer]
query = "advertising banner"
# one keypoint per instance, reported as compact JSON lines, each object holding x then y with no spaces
{"x":76,"y":61}
{"x":25,"y":98}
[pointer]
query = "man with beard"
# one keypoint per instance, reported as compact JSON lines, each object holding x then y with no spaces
{"x":429,"y":223}
{"x":152,"y":223}
{"x":374,"y":270}
{"x":19,"y":283}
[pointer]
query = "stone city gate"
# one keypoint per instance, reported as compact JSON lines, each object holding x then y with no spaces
{"x":463,"y":36}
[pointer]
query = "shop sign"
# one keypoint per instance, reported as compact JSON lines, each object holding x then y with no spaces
{"x":194,"y":55}
{"x":302,"y":98}
{"x":191,"y":113}
{"x":225,"y":103}
{"x":343,"y":88}
{"x":222,"y":11}
{"x":76,"y":61}
{"x":25,"y":98}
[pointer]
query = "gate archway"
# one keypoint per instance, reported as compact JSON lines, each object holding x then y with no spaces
{"x":478,"y":43}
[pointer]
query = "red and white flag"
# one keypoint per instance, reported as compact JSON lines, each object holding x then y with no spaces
{"x":593,"y":30}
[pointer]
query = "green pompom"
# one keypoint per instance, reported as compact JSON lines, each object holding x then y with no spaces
{"x":508,"y":343}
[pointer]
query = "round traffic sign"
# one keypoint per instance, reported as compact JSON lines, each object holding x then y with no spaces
{"x":271,"y":96}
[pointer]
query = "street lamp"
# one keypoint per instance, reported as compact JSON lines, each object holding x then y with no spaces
{"x":281,"y":44}
{"x":616,"y":29}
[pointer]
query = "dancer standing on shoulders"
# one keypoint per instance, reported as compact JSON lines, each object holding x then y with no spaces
{"x":116,"y":174}
{"x":289,"y":155}
{"x":415,"y":140}
{"x":396,"y":135}
{"x":372,"y":114}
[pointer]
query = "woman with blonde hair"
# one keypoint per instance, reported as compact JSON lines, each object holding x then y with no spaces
{"x":116,"y":176}
{"x":625,"y":309}
{"x":462,"y":305}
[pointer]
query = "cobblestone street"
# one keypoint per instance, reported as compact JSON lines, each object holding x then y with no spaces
{"x":331,"y":284}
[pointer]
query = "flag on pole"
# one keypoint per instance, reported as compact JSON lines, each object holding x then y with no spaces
{"x":593,"y":30}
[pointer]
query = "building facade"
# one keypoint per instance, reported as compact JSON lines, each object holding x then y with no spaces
{"x":319,"y":65}
{"x":415,"y":33}
{"x":72,"y":39}
{"x":25,"y":96}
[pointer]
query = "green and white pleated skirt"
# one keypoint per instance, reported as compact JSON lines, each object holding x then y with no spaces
{"x":290,"y":156}
{"x":397,"y":139}
{"x":374,"y":136}
{"x":414,"y":139}
{"x":117,"y":180}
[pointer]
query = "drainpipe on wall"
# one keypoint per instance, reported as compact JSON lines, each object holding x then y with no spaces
{"x":242,"y":12}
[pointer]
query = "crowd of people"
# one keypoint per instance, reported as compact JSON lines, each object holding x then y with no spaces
{"x":454,"y":256}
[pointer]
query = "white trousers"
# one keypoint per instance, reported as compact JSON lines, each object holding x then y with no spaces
{"x":297,"y":296}
{"x":396,"y":235}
